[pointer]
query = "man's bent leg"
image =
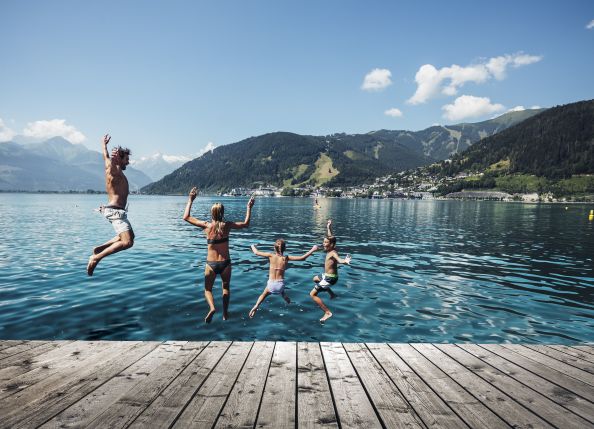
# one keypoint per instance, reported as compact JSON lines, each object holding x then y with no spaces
{"x":126,"y":240}
{"x":101,"y":248}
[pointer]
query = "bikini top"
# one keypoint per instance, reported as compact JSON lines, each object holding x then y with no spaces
{"x":217,"y":240}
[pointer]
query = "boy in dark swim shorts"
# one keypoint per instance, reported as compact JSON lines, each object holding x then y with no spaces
{"x":330,"y":275}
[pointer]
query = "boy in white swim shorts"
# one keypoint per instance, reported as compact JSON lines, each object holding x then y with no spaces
{"x":276,"y":277}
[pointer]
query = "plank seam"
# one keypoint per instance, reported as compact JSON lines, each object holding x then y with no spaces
{"x":22,"y":351}
{"x":365,"y":389}
{"x":557,"y":359}
{"x":562,"y":349}
{"x":428,"y":384}
{"x":532,"y":372}
{"x":495,"y":387}
{"x":463,"y":387}
{"x":169,"y":384}
{"x":264,"y":387}
{"x":528,"y":386}
{"x":181,"y":411}
{"x":214,"y":423}
{"x":402,"y":393}
{"x":550,"y":367}
{"x":98,"y":386}
{"x":330,"y":387}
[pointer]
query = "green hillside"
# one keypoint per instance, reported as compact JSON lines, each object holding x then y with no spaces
{"x":291,"y":160}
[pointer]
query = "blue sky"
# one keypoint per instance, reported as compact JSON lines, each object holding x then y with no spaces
{"x":179,"y":76}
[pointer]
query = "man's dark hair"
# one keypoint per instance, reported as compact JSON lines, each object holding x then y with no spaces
{"x":123,"y":151}
{"x":331,"y":239}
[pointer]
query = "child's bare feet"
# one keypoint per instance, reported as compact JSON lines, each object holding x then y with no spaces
{"x":253,"y":312}
{"x":208,"y":317}
{"x":225,"y":315}
{"x":91,"y":265}
{"x":327,"y":315}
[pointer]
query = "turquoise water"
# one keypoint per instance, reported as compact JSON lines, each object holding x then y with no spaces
{"x":422,"y":271}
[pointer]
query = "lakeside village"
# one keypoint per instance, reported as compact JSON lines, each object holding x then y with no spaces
{"x":411,"y":184}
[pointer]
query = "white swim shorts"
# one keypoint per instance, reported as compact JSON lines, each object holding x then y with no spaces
{"x":118,"y":219}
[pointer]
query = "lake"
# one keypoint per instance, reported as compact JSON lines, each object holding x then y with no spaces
{"x":422,"y":271}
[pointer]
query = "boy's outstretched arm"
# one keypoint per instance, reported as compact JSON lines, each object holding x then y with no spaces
{"x":329,"y":228}
{"x":346,"y":260}
{"x":304,"y":256}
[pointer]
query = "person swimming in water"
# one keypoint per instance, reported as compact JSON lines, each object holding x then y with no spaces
{"x":276,"y":275}
{"x":218,"y":260}
{"x":330,"y":275}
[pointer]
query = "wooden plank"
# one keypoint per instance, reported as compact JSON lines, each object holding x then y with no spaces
{"x":117,"y":402}
{"x":315,"y":408}
{"x":552,"y":391}
{"x":163,"y":411}
{"x":584,"y":348}
{"x":4,"y":344}
{"x":205,"y":406}
{"x":277,"y":409}
{"x":19,"y":348}
{"x":353,"y":407}
{"x":37,"y":405}
{"x":394,"y":411}
{"x":466,"y":406}
{"x":27,"y":358}
{"x":241,"y":408}
{"x":15,"y":379}
{"x":573,"y":352}
{"x":543,"y":359}
{"x":565,"y":381}
{"x":563,"y":357}
{"x":432,"y":410}
{"x":540,"y":405}
{"x":502,"y":404}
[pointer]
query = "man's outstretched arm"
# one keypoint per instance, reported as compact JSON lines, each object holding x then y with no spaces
{"x":106,"y":139}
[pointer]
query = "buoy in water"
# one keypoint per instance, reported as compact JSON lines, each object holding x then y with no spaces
{"x":591,"y":217}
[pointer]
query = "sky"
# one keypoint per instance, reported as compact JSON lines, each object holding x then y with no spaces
{"x":181,"y":77}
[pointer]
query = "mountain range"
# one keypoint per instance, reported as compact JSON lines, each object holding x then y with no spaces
{"x":288,"y":159}
{"x":557,"y":143}
{"x":56,"y":165}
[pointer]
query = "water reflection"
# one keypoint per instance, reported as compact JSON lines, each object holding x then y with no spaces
{"x":427,"y":271}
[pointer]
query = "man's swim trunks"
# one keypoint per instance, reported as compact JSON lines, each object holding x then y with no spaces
{"x":327,"y":281}
{"x":118,"y":218}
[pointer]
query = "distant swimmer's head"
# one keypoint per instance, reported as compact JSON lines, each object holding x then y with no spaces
{"x":217,"y":211}
{"x":329,"y":243}
{"x":280,"y":246}
{"x":122,"y":156}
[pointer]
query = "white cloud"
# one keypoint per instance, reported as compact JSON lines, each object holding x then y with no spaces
{"x":516,"y":109}
{"x":393,"y":112}
{"x":376,"y":80}
{"x":54,"y":128}
{"x":447,"y":80}
{"x":590,"y":25}
{"x":468,"y":106}
{"x":536,"y":106}
{"x":208,"y":148}
{"x":6,"y":134}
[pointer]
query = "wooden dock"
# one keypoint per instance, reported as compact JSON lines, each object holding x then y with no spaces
{"x":105,"y":384}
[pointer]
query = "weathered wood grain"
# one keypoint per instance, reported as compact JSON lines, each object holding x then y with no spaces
{"x":315,"y":408}
{"x":277,"y":409}
{"x":353,"y":407}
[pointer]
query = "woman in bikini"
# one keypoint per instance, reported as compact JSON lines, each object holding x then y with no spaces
{"x":218,"y":260}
